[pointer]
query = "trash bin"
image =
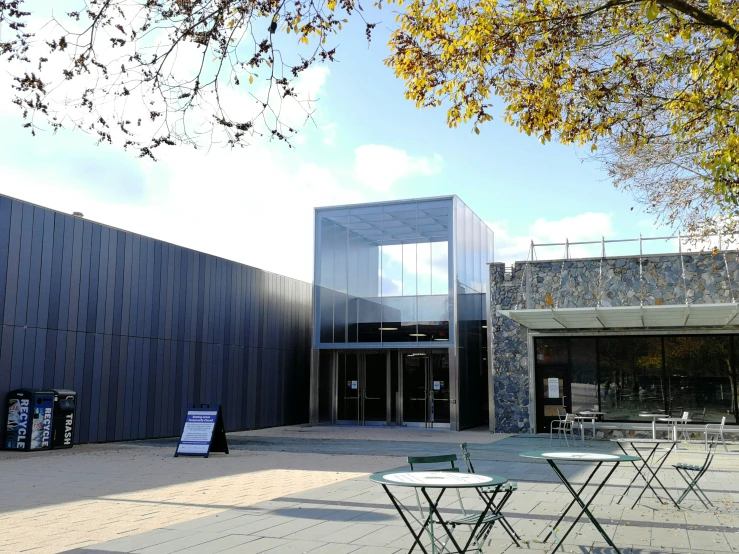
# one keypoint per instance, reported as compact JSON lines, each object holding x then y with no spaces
{"x":29,"y":419}
{"x":65,"y":410}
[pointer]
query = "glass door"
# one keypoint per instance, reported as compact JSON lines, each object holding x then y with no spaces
{"x":348,"y":385}
{"x":362,"y":388}
{"x":426,"y":388}
{"x":415,"y":388}
{"x":439,"y":387}
{"x":374,"y":388}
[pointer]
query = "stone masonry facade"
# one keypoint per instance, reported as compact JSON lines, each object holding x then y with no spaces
{"x":705,"y":278}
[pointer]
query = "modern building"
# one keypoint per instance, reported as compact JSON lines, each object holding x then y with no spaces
{"x":624,"y":335}
{"x":140,"y":328}
{"x":411,"y":323}
{"x":399,"y":327}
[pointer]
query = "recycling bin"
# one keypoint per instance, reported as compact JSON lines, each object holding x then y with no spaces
{"x":29,"y":419}
{"x":65,"y":410}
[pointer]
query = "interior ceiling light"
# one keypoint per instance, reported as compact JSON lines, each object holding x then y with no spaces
{"x":416,"y":334}
{"x":445,"y":340}
{"x":484,"y":326}
{"x":388,"y":328}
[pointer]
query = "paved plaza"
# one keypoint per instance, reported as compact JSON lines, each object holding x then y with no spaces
{"x":306,"y":489}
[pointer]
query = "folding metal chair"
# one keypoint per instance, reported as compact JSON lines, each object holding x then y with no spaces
{"x":468,"y":518}
{"x":691,"y":474}
{"x":716,"y":429}
{"x":507,"y":490}
{"x":562,"y":426}
{"x":684,"y":426}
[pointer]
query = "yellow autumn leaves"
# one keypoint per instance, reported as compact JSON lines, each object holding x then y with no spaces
{"x":580,"y":70}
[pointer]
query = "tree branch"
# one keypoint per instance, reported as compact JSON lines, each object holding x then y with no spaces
{"x":700,"y":15}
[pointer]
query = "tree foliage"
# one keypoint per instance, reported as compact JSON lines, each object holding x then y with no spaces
{"x":653,"y":83}
{"x":153,"y":72}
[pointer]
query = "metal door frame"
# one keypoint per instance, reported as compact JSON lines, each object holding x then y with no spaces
{"x":429,"y":423}
{"x":361,"y":387}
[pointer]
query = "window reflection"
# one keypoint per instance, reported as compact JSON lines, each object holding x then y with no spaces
{"x":383,"y":271}
{"x":699,"y":376}
{"x":630,"y":375}
{"x":583,"y":364}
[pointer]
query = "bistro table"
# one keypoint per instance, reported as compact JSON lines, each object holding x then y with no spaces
{"x":654,"y":422}
{"x":598,"y":458}
{"x":588,"y":415}
{"x":635,"y":444}
{"x":443,"y":481}
{"x":674,"y":421}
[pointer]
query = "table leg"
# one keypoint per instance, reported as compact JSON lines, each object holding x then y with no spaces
{"x":573,"y":502}
{"x":416,"y":538}
{"x":654,"y":477}
{"x":497,"y":509}
{"x":638,"y":470}
{"x":584,"y":506}
{"x":434,"y":510}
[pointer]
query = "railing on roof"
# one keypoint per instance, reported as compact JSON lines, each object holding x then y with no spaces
{"x":702,"y":244}
{"x":684,"y":244}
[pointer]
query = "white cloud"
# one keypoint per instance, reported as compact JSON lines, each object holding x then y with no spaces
{"x":253,"y":206}
{"x":329,"y":133}
{"x":380,"y":166}
{"x":589,"y":226}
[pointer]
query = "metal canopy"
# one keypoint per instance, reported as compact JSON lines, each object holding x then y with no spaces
{"x":695,"y":315}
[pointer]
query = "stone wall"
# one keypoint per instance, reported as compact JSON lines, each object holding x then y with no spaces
{"x":576,"y":283}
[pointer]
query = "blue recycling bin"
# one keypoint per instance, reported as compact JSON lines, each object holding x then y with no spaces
{"x":29,"y":419}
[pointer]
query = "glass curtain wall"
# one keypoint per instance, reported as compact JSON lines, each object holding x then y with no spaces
{"x":473,"y":250}
{"x":626,"y":376}
{"x":383,"y":273}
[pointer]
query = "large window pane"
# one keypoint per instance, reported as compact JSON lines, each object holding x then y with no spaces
{"x":699,"y":376}
{"x":433,"y":318}
{"x":552,"y":351}
{"x":391,"y":270}
{"x":583,"y":363}
{"x":369,"y":319}
{"x":631,"y":377}
{"x":423,"y":263}
{"x":440,"y":267}
{"x":399,"y":319}
{"x":410,"y":271}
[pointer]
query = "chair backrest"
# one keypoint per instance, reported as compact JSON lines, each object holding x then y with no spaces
{"x":709,"y":457}
{"x":723,"y":422}
{"x":561,"y":412}
{"x":467,"y":458}
{"x":569,"y":417}
{"x":419,"y":460}
{"x":685,"y":415}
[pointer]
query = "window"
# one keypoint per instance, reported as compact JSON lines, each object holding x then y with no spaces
{"x":629,"y":375}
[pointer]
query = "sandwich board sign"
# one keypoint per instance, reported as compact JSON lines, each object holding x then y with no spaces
{"x":203,"y":431}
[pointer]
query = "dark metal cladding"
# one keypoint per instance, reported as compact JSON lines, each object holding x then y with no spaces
{"x":140,"y":328}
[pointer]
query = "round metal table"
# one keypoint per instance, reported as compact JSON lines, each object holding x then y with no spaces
{"x":654,"y":422}
{"x":441,"y":481}
{"x":674,"y":421}
{"x":598,"y":458}
{"x":654,"y":443}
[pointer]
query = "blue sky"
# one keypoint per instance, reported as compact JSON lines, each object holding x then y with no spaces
{"x":369,"y":143}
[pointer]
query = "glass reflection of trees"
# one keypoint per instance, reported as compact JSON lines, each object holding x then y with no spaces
{"x":629,"y":375}
{"x":700,"y":376}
